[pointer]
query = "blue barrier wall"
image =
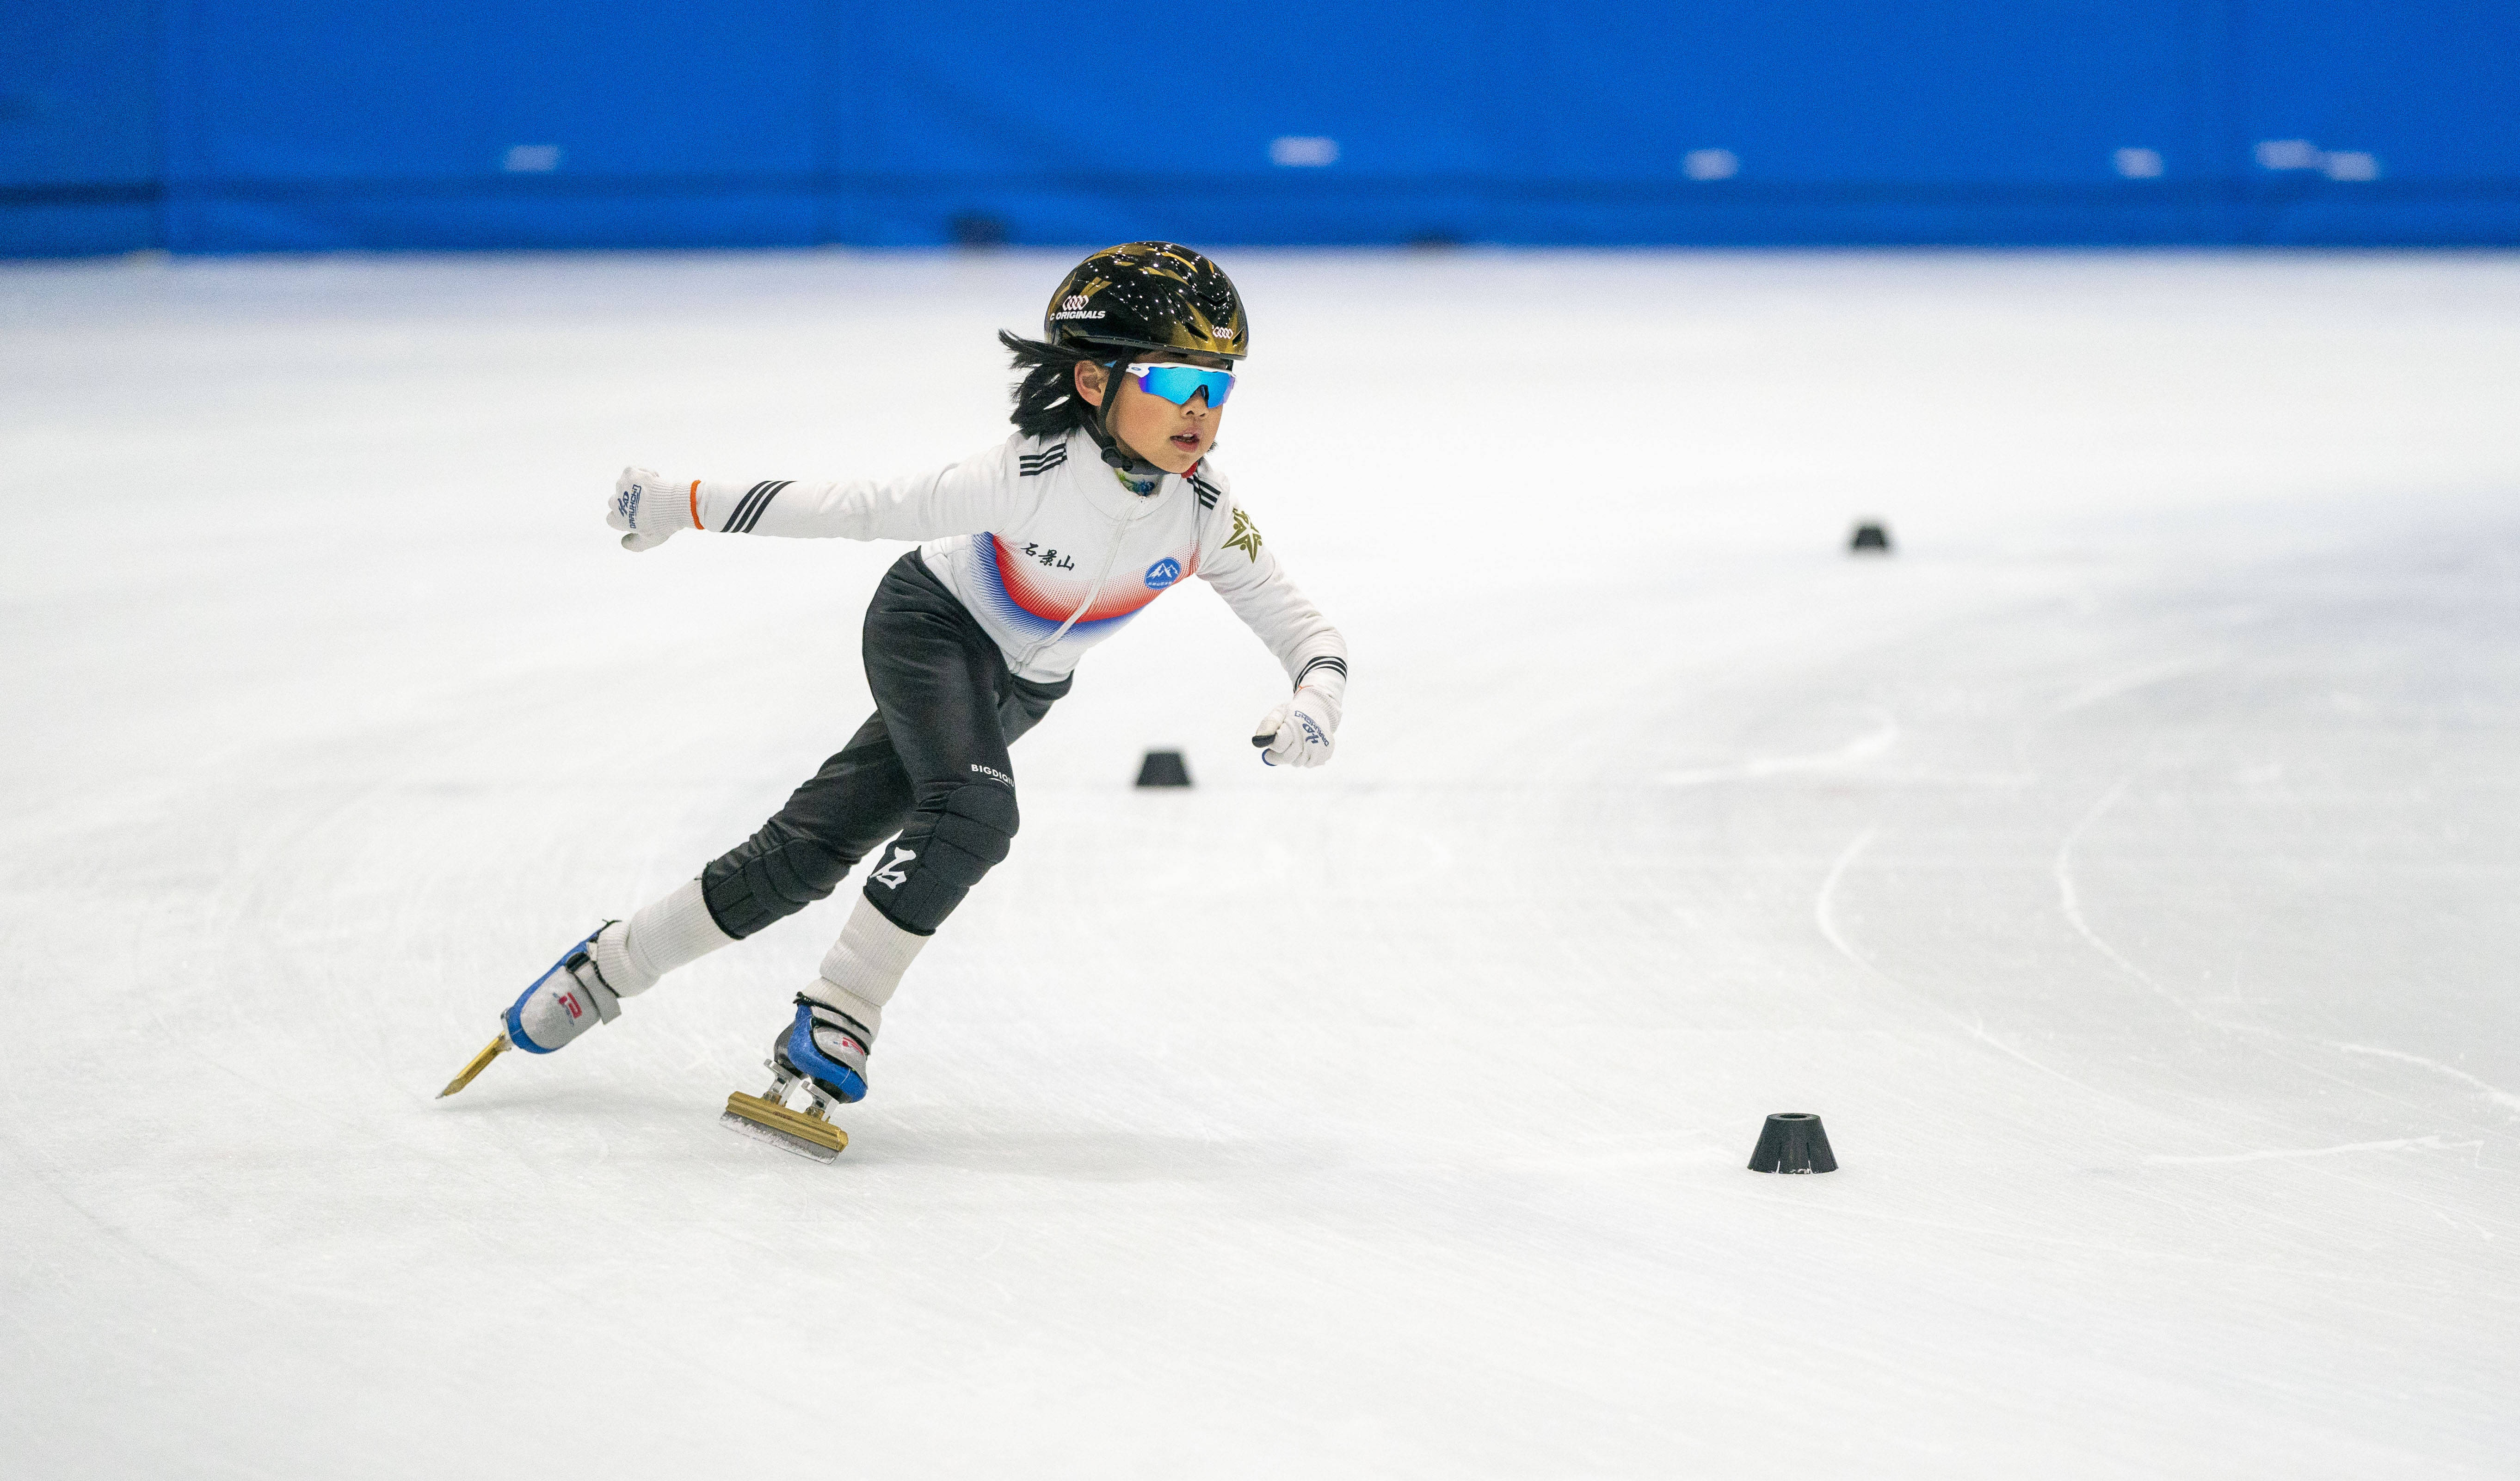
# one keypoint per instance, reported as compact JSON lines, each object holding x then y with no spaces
{"x":217,"y":125}
{"x":80,"y":127}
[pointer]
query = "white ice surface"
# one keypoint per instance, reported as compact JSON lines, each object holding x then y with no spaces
{"x":2125,"y":868}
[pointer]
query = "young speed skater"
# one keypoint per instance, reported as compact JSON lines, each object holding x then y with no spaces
{"x":1031,"y":553}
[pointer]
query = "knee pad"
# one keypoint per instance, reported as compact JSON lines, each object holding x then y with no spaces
{"x":926,"y":872}
{"x":759,"y":882}
{"x":978,"y":822}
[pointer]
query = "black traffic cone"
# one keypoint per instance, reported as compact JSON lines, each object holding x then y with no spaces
{"x":1792,"y":1142}
{"x":1163,"y":769}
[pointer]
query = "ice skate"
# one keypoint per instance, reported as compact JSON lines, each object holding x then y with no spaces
{"x":562,"y":1003}
{"x":824,"y":1050}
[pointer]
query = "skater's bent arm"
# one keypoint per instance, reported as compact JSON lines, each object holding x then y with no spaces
{"x":959,"y":499}
{"x":1246,"y":573}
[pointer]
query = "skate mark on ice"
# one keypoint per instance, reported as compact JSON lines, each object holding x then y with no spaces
{"x":1824,"y":908}
{"x":2131,"y":680}
{"x":1825,"y":916}
{"x":2401,"y":1144}
{"x":1865,"y":748}
{"x":2499,"y":1096}
{"x":2072,"y":901}
{"x":2072,"y":913}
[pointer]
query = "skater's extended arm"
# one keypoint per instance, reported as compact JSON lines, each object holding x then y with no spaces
{"x":1302,"y":730}
{"x":961,"y":498}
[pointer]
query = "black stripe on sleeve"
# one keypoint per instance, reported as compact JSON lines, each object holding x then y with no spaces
{"x":1336,"y":665}
{"x":757,"y":503}
{"x":741,"y":507}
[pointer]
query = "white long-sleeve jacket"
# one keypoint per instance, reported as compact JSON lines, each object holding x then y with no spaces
{"x":1051,"y":552}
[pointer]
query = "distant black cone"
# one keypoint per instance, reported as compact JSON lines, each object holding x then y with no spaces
{"x":1871,"y":538}
{"x":1793,"y":1142}
{"x":1163,"y":769}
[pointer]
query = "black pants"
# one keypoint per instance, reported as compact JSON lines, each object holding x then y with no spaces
{"x":931,"y":765}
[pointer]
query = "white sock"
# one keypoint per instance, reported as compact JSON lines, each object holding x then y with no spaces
{"x":862,"y":967}
{"x":660,"y":937}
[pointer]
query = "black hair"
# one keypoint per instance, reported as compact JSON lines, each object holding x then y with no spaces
{"x":1046,"y":400}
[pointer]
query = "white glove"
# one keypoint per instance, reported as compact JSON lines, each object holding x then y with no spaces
{"x":1302,"y":732}
{"x":648,"y":507}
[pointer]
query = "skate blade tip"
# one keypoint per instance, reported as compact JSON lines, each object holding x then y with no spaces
{"x":785,"y":1129}
{"x":480,"y":1062}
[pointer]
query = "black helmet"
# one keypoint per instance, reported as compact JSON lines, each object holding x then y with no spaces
{"x":1147,"y":295}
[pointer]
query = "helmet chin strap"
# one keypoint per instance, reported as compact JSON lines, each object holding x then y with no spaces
{"x":1099,"y":427}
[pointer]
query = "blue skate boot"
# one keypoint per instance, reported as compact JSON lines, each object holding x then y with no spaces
{"x":824,"y":1050}
{"x":562,"y":1003}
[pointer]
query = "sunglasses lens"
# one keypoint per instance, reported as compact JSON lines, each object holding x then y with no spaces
{"x":1177,"y":383}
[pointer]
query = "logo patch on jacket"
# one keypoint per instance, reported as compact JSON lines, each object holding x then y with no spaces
{"x":1246,"y":535}
{"x":1163,"y":574}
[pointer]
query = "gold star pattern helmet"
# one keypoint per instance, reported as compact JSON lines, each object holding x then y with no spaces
{"x":1149,"y":295}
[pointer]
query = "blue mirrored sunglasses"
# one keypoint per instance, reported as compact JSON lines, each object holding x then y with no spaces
{"x":1177,"y":383}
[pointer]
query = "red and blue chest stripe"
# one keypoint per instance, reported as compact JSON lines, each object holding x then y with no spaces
{"x":1035,"y":584}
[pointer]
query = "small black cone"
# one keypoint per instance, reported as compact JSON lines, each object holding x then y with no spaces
{"x":1793,"y":1142}
{"x":1871,"y":536}
{"x":1163,"y":769}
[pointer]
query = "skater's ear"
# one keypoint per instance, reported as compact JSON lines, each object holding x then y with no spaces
{"x":1091,"y":379}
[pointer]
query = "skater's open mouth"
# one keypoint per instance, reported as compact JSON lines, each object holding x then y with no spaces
{"x":1185,"y":441}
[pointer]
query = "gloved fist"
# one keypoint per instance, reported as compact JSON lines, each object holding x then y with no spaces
{"x":648,"y":507}
{"x":1302,"y":732}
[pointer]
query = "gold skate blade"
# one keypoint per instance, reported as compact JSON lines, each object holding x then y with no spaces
{"x":480,"y":1062}
{"x":795,"y":1131}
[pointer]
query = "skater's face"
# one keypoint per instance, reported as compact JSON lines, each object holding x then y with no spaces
{"x":1171,"y":437}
